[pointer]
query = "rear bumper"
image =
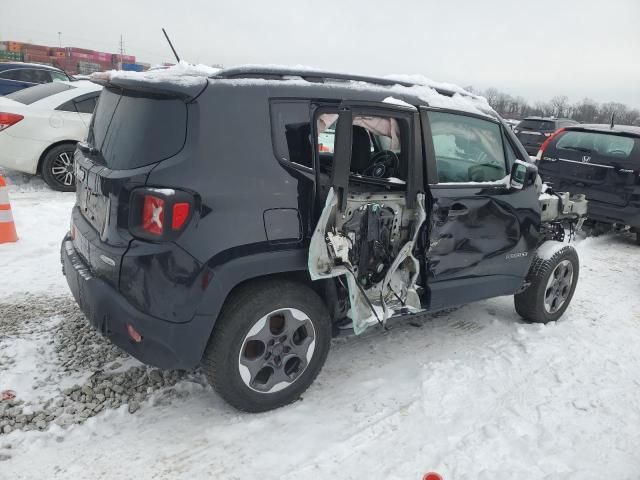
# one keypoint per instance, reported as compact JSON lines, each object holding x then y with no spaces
{"x":603,"y":212}
{"x":164,"y":344}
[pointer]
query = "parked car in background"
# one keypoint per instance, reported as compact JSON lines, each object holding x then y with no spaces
{"x":18,"y":75}
{"x":602,"y":162}
{"x":533,"y":131}
{"x":40,"y":126}
{"x":511,"y":123}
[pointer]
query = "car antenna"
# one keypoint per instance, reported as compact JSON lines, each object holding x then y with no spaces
{"x":171,"y":45}
{"x":613,"y":116}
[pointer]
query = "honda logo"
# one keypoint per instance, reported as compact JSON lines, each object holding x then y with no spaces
{"x":586,"y":159}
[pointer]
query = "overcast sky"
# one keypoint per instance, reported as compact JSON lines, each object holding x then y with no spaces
{"x":533,"y":48}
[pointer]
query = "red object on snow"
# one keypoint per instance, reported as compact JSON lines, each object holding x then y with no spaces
{"x":432,"y":476}
{"x":8,"y":395}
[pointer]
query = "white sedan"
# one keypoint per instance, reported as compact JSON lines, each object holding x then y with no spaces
{"x":40,"y":126}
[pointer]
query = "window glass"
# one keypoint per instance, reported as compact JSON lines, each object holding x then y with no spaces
{"x":38,"y":92}
{"x":86,"y":105}
{"x":546,"y":125}
{"x":126,"y":130}
{"x":376,"y":149}
{"x":291,"y":132}
{"x":600,"y":144}
{"x":510,"y":153}
{"x":58,"y":76}
{"x":467,"y":149}
{"x":40,"y":76}
{"x":67,"y":107}
{"x":13,"y":75}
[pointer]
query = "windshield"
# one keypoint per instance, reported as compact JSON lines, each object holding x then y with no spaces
{"x":537,"y":125}
{"x":601,"y":144}
{"x":31,"y":95}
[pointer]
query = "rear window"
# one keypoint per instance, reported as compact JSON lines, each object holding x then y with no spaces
{"x":599,"y":144}
{"x":132,"y":130}
{"x":38,"y":92}
{"x":537,"y":125}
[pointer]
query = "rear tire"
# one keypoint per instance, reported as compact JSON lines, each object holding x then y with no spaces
{"x":552,"y":285}
{"x":57,"y":168}
{"x":268,"y":345}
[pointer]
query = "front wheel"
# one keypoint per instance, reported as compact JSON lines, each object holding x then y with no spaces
{"x":57,"y":168}
{"x":268,"y":345}
{"x":552,"y":285}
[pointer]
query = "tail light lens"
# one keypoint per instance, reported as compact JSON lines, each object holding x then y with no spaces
{"x":546,"y":143}
{"x":153,"y":215}
{"x":8,"y":119}
{"x":159,"y":213}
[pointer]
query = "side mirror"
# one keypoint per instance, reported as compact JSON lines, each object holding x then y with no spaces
{"x":523,"y":174}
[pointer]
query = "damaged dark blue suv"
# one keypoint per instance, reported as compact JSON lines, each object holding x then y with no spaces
{"x":235,"y":221}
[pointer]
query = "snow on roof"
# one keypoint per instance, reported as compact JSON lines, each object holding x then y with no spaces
{"x":183,"y":74}
{"x":397,"y":101}
{"x":606,"y":128}
{"x":187,"y":75}
{"x":449,"y":96}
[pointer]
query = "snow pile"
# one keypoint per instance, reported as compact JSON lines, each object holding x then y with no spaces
{"x":32,"y":265}
{"x":183,"y":73}
{"x":471,"y":393}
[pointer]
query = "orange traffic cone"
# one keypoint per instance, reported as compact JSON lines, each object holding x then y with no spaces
{"x":7,"y":227}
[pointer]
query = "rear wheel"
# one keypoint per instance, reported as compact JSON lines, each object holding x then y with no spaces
{"x":552,"y":285}
{"x":268,"y":345}
{"x":57,"y":168}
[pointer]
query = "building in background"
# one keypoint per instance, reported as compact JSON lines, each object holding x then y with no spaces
{"x":72,"y":60}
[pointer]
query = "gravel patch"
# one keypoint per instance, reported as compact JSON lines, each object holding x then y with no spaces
{"x":81,"y":351}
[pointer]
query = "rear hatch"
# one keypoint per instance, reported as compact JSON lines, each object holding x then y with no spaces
{"x":602,"y":165}
{"x":532,"y":133}
{"x":132,"y":130}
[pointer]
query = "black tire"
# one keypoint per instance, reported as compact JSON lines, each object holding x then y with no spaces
{"x":638,"y":237}
{"x":57,"y":168}
{"x":531,"y":304}
{"x":243,"y":312}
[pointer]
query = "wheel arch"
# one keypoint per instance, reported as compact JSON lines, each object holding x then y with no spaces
{"x":48,"y":149}
{"x":242,"y":272}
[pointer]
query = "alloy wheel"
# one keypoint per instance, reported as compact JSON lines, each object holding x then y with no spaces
{"x":558,"y":286}
{"x":62,"y":169}
{"x":276,"y":350}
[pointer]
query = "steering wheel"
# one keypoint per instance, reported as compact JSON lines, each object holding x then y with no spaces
{"x":383,"y":164}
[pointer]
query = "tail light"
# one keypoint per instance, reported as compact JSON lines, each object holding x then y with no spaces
{"x":8,"y":119}
{"x":159,"y":213}
{"x":546,"y":143}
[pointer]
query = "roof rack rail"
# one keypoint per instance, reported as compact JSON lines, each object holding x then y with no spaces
{"x":317,"y":76}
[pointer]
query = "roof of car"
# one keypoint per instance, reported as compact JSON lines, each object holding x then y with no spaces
{"x":605,"y":128}
{"x":11,"y":65}
{"x":550,"y":119}
{"x":410,"y":91}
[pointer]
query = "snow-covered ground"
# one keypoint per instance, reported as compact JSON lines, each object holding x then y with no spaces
{"x":472,"y":393}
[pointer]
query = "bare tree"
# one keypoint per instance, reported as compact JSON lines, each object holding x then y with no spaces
{"x":560,"y":105}
{"x":585,"y":111}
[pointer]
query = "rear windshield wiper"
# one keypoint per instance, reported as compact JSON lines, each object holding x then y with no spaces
{"x":85,"y":147}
